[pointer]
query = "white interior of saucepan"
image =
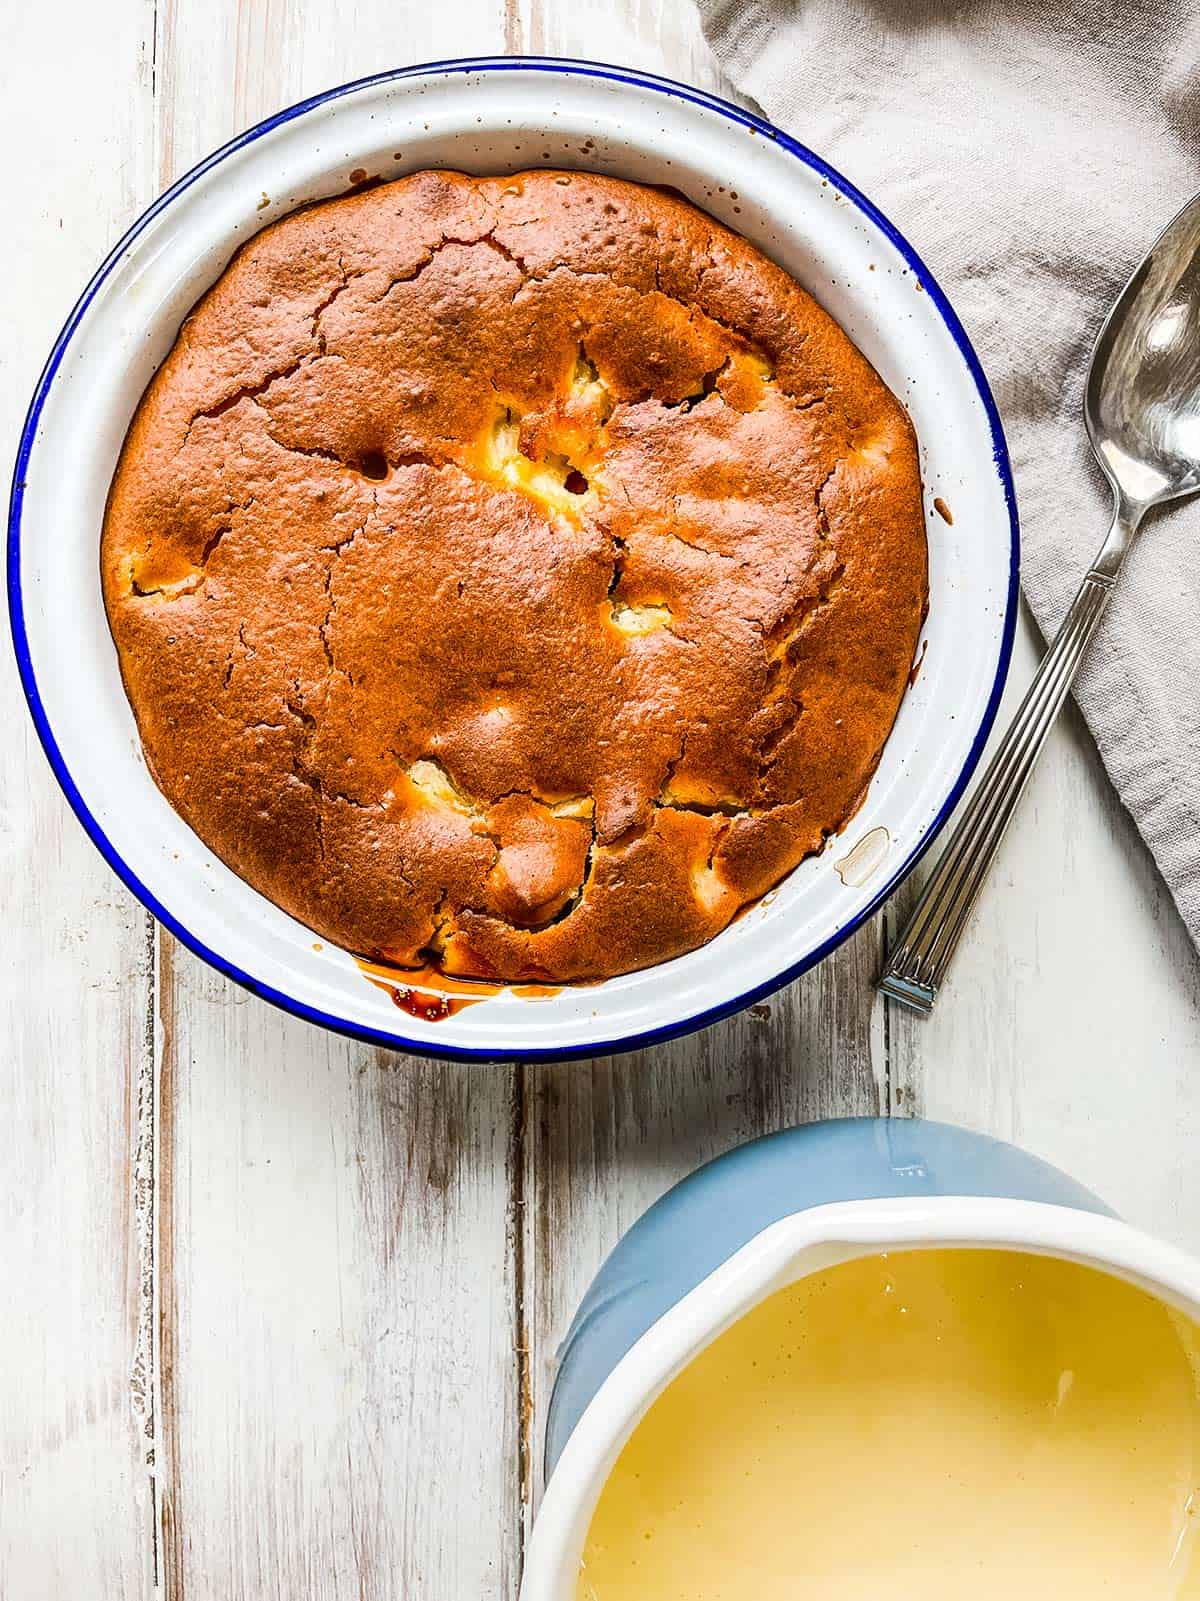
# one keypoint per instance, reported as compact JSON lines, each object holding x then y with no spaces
{"x":494,"y":119}
{"x":805,"y":1243}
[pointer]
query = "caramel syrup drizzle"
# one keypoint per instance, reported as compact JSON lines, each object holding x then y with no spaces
{"x":432,"y":996}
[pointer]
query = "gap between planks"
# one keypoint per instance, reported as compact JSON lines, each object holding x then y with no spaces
{"x":154,"y":1358}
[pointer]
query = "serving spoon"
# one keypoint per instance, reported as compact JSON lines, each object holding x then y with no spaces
{"x":1142,"y":410}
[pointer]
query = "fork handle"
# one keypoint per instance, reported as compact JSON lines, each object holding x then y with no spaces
{"x":918,"y":963}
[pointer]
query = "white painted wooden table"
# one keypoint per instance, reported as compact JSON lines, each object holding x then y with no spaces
{"x":281,"y":1310}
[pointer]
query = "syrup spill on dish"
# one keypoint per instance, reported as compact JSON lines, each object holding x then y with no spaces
{"x":429,"y":1008}
{"x":915,"y":669}
{"x":943,"y":511}
{"x":432,"y":996}
{"x":856,"y":867}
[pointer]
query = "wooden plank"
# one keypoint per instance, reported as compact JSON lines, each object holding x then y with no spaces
{"x":660,"y":35}
{"x":337,"y":1300}
{"x":337,"y":1290}
{"x":75,"y":1485}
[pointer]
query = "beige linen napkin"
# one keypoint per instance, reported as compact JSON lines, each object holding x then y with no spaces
{"x":1030,"y":150}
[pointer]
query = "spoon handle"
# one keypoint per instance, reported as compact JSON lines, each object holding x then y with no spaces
{"x":918,"y":963}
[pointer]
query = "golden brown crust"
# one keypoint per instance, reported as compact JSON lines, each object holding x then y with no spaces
{"x":524,"y":569}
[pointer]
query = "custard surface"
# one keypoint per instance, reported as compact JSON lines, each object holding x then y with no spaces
{"x":921,"y":1426}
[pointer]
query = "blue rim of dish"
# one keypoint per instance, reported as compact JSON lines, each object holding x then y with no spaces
{"x":428,"y":1047}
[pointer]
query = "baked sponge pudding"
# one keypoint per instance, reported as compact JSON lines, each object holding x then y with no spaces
{"x":521,"y":574}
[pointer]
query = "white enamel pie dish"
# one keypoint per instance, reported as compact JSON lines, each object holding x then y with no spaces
{"x":492,"y":116}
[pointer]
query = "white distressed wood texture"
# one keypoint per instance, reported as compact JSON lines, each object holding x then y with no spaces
{"x":282,"y":1310}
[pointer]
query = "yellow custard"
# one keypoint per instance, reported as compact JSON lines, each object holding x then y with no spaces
{"x":948,"y":1425}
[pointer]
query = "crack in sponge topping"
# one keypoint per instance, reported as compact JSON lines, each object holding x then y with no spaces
{"x":519,"y":573}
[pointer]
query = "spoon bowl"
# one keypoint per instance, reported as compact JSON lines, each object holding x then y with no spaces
{"x":1142,"y":404}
